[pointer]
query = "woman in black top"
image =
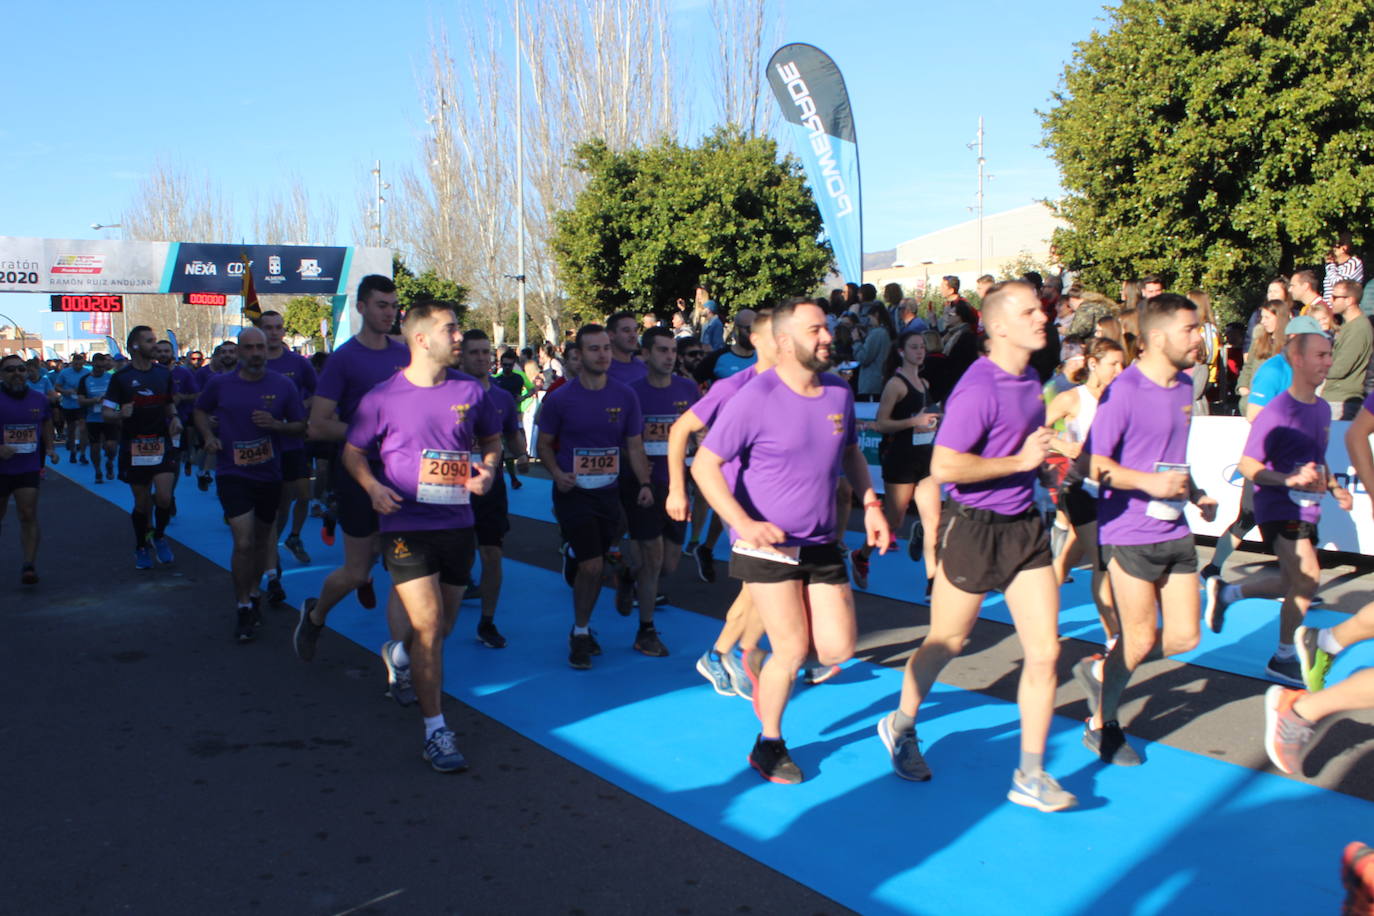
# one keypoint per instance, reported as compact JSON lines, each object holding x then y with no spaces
{"x":908,"y":428}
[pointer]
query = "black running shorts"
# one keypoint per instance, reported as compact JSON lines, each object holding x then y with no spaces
{"x":817,"y":564}
{"x":294,"y":465}
{"x":357,"y":518}
{"x":647,"y":523}
{"x":143,"y":475}
{"x":1153,"y":562}
{"x":29,"y":480}
{"x":589,"y":520}
{"x":241,"y":495}
{"x":1289,"y":530}
{"x":445,"y":552}
{"x":491,"y":514}
{"x":980,"y":551}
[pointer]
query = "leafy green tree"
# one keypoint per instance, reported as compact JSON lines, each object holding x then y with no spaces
{"x":652,"y":222}
{"x":1215,"y":142}
{"x":303,"y":316}
{"x":412,"y":287}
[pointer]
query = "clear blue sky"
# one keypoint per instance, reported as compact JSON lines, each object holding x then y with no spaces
{"x":251,"y":93}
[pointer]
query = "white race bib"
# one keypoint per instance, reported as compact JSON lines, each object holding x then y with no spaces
{"x":1167,"y":510}
{"x":788,"y":555}
{"x":251,"y":452}
{"x":596,"y":468}
{"x":146,"y":451}
{"x":656,"y":434}
{"x":443,"y":478}
{"x":22,"y":437}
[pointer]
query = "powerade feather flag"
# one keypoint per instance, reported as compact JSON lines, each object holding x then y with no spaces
{"x":811,"y":92}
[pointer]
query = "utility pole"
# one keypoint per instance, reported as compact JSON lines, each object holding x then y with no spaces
{"x":977,"y":147}
{"x":519,"y":176}
{"x":378,"y":200}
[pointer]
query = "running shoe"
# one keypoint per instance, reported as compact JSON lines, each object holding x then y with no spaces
{"x":275,"y":593}
{"x":706,"y":563}
{"x":1039,"y":791}
{"x":1313,"y":660}
{"x":569,"y":566}
{"x":712,"y":667}
{"x":398,"y":683}
{"x":580,"y":651}
{"x":1357,"y":875}
{"x":773,"y":763}
{"x":1214,"y":607}
{"x":203,"y":482}
{"x":293,"y":544}
{"x":256,"y":608}
{"x":648,"y":643}
{"x":1286,"y":734}
{"x":1109,"y":744}
{"x":1083,"y":673}
{"x":905,"y":751}
{"x":143,"y":558}
{"x":327,"y":529}
{"x":739,"y":679}
{"x":915,"y":544}
{"x":489,"y":636}
{"x":1285,"y":671}
{"x":164,"y":550}
{"x":98,"y":478}
{"x":28,"y":575}
{"x":307,"y":632}
{"x":244,"y":631}
{"x":624,"y":591}
{"x":515,"y":482}
{"x":860,"y":569}
{"x":441,"y":752}
{"x":819,"y":674}
{"x":596,"y":646}
{"x":367,"y":595}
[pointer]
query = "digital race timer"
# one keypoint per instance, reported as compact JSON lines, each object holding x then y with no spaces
{"x":216,"y":299}
{"x":87,"y":303}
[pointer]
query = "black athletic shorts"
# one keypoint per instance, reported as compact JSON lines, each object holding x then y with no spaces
{"x":143,"y":475}
{"x":1288,"y":529}
{"x":910,"y":464}
{"x":241,"y":495}
{"x":415,"y":554}
{"x":96,"y":432}
{"x":74,"y":414}
{"x":11,"y":482}
{"x":589,"y":520}
{"x":357,"y":518}
{"x":645,"y":524}
{"x":1246,"y":520}
{"x":1152,"y":562}
{"x":981,"y":550}
{"x":817,"y":564}
{"x":491,"y":514}
{"x":1077,"y":504}
{"x":294,"y":466}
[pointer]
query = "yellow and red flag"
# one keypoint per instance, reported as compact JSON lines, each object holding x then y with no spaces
{"x":251,"y":309}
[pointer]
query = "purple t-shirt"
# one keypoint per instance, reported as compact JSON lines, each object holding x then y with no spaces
{"x":353,"y":370}
{"x":1139,"y":425}
{"x":183,"y":382}
{"x":627,"y":373}
{"x":410,"y":429}
{"x":246,"y":449}
{"x":789,"y":448}
{"x":1286,"y":435}
{"x":21,"y":428}
{"x":506,"y":411}
{"x":661,"y":407}
{"x":990,"y":413}
{"x":300,"y":373}
{"x":720,"y":392}
{"x":587,"y":425}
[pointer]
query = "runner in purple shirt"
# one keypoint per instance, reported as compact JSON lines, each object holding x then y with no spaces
{"x":1139,"y":448}
{"x":436,"y":439}
{"x":253,"y":409}
{"x":295,"y":465}
{"x":792,"y":431}
{"x":626,"y":367}
{"x":663,"y":397}
{"x":990,"y":537}
{"x":743,"y":628}
{"x":25,"y":437}
{"x":364,"y":361}
{"x":224,"y":358}
{"x":491,"y":510}
{"x":1285,"y":458}
{"x":589,"y":429}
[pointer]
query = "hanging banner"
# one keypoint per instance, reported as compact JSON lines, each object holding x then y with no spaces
{"x":813,"y":98}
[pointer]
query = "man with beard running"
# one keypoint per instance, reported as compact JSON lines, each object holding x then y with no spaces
{"x":139,"y":403}
{"x":781,"y":512}
{"x":1139,"y":447}
{"x":254,"y":409}
{"x":626,"y":366}
{"x":491,"y":510}
{"x":26,"y":435}
{"x":367,"y":359}
{"x":295,"y":466}
{"x":990,"y":536}
{"x":426,"y":426}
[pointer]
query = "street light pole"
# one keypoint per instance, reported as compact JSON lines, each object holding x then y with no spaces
{"x":519,"y":176}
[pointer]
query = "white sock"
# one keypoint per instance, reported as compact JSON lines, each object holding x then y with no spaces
{"x":1285,"y":650}
{"x":1231,"y":593}
{"x":433,"y":724}
{"x":399,"y":657}
{"x":1326,"y":641}
{"x":581,"y":631}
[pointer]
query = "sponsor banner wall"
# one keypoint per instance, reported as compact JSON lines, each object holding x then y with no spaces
{"x":29,"y":265}
{"x":277,"y":269}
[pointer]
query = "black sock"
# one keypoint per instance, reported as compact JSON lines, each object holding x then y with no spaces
{"x":162,"y":515}
{"x":140,"y":520}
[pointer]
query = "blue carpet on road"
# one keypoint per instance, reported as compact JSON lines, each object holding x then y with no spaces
{"x":1182,"y":833}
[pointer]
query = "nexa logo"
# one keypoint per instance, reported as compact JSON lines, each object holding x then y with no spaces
{"x":202,"y":269}
{"x":820,"y":140}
